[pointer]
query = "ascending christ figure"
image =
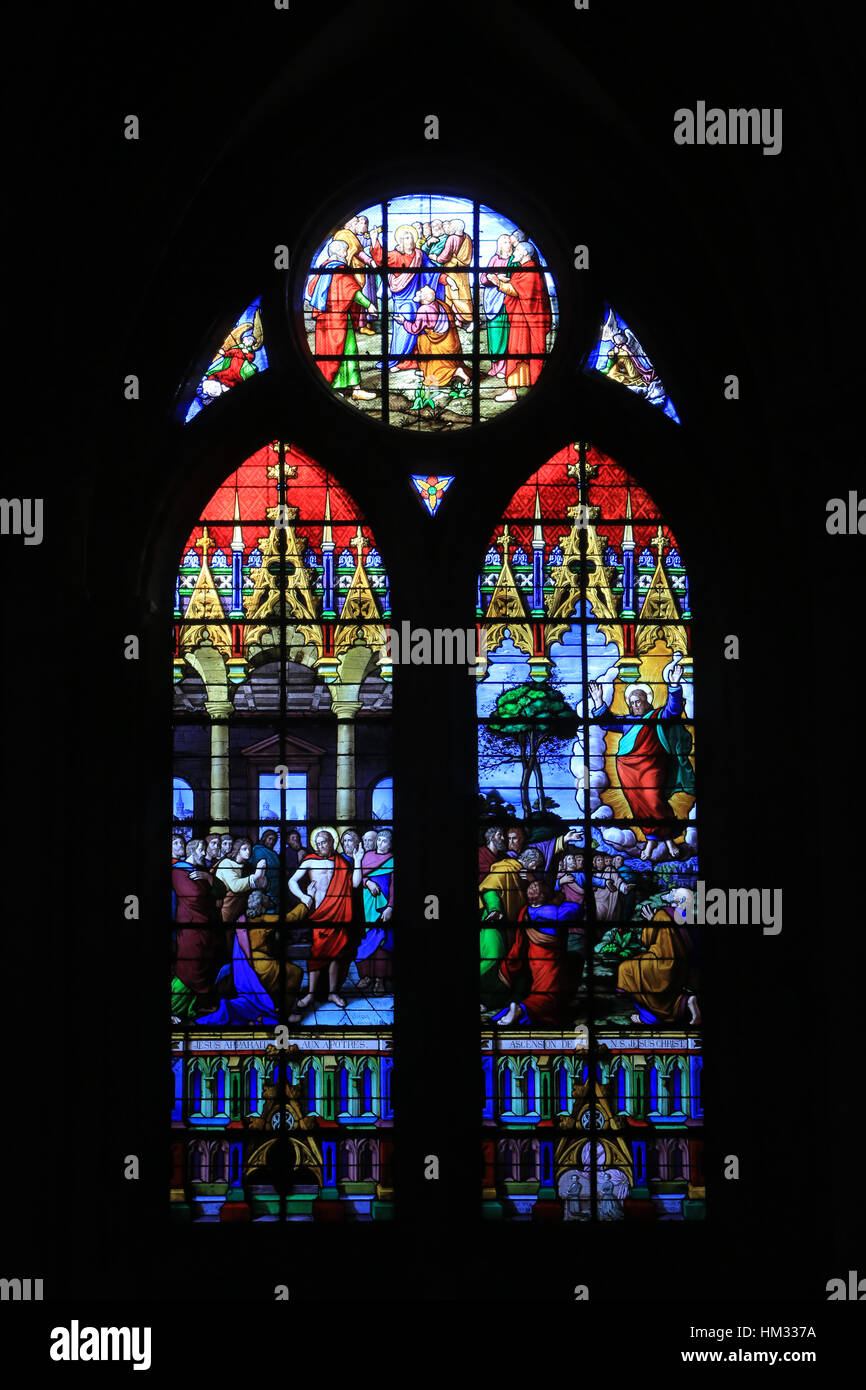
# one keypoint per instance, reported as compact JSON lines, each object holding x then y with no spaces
{"x":330,"y":880}
{"x":652,"y":757}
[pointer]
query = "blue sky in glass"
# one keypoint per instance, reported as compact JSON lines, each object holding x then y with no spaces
{"x":383,"y":800}
{"x":651,"y":388}
{"x":207,"y":391}
{"x":295,"y":793}
{"x":182,"y":800}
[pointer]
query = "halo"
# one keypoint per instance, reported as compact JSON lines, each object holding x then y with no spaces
{"x":630,"y":689}
{"x":407,"y":227}
{"x":329,"y":830}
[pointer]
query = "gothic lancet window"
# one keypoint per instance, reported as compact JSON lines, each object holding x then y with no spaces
{"x":588,"y":858}
{"x":282,"y":868}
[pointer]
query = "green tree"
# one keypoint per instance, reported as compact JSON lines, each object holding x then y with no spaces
{"x":529,"y":718}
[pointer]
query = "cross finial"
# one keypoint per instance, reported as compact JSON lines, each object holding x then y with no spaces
{"x":659,"y":542}
{"x":504,"y":539}
{"x":358,"y":542}
{"x":289,"y":469}
{"x":205,"y":543}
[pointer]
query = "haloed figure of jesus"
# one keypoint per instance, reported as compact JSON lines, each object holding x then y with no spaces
{"x":330,"y":879}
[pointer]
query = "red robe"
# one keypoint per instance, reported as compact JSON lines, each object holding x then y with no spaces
{"x":332,"y":321}
{"x":486,"y":859}
{"x":231,"y":375}
{"x":643,"y":774}
{"x":529,"y":320}
{"x":329,"y":941}
{"x":544,"y":956}
{"x":201,"y":945}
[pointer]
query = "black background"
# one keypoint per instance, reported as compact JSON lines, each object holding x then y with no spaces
{"x":261,"y":127}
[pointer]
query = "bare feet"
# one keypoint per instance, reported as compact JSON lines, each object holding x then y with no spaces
{"x":294,"y":1018}
{"x":366,"y":982}
{"x":337,"y":999}
{"x":359,"y":395}
{"x":647,"y":850}
{"x":305,"y":1002}
{"x":635,"y":1018}
{"x":506,"y":396}
{"x":694,"y":1010}
{"x":509,"y":1017}
{"x":379,"y":987}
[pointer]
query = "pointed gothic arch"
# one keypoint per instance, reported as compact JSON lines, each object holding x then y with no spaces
{"x":282,"y":719}
{"x":588,"y":837}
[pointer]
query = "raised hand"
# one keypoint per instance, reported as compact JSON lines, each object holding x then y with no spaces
{"x":595,"y":693}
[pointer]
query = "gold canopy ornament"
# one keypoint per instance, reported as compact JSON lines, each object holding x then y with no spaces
{"x":205,"y":616}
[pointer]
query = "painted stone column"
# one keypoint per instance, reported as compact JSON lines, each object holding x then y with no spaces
{"x":219,"y":711}
{"x":345,"y":711}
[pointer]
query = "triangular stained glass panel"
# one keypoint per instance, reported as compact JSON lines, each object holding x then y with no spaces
{"x":619,"y":356}
{"x":241,"y":355}
{"x":431,"y":489}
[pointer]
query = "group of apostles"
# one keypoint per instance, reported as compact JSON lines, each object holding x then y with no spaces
{"x":533,"y":896}
{"x":430,"y":298}
{"x":228,"y":909}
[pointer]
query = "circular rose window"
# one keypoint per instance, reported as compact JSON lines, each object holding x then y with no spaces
{"x":430,"y":312}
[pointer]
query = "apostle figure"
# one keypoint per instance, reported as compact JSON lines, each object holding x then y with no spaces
{"x":652,"y":758}
{"x":240,"y":875}
{"x":495,"y":312}
{"x":294,"y":849}
{"x":658,"y":980}
{"x":527,"y":305}
{"x":332,"y":292}
{"x":264,"y":985}
{"x":330,"y":878}
{"x":266,"y":849}
{"x":501,"y":893}
{"x":200,"y":950}
{"x":493,"y":848}
{"x":366,"y":317}
{"x":540,"y":948}
{"x":410,"y":269}
{"x":434,"y":237}
{"x":435,"y":335}
{"x":378,"y":882}
{"x":456,"y":252}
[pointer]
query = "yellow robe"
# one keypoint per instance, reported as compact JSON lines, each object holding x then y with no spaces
{"x":264,"y":958}
{"x":504,"y":879}
{"x":657,"y":980}
{"x":460,"y":299}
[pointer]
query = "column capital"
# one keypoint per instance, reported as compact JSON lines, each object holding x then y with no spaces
{"x":219,"y":709}
{"x":345,"y":709}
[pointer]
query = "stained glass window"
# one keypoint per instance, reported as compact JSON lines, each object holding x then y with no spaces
{"x":429,"y":311}
{"x":282,"y":864}
{"x":240,"y":356}
{"x":619,"y":356}
{"x":590,"y":1014}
